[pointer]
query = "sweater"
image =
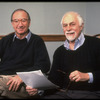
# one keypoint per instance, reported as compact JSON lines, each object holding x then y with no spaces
{"x":85,"y":59}
{"x":23,"y":56}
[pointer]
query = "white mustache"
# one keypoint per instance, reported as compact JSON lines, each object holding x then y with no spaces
{"x":70,"y":32}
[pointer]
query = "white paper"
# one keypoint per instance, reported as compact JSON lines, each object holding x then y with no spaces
{"x":36,"y":79}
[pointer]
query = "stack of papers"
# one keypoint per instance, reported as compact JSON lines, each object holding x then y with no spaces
{"x":36,"y":79}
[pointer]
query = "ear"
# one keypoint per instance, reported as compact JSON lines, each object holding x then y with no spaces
{"x":29,"y":23}
{"x":82,"y":26}
{"x":12,"y":24}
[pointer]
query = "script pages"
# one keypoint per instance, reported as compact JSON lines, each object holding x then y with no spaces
{"x":36,"y":79}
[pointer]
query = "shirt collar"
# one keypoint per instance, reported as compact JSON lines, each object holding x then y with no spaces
{"x":78,"y":42}
{"x":27,"y":36}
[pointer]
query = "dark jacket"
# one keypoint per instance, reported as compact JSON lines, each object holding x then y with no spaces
{"x":85,"y":59}
{"x":20,"y":55}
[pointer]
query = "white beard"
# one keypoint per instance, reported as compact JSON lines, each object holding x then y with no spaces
{"x":71,"y":36}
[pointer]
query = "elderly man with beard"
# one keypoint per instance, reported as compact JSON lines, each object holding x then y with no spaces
{"x":76,"y":63}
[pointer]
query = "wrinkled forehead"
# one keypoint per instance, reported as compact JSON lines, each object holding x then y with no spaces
{"x":69,"y":18}
{"x":20,"y":14}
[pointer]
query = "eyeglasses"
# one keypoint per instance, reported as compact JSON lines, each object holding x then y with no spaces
{"x":16,"y":21}
{"x":68,"y":83}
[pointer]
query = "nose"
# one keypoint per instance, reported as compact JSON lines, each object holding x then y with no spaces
{"x":20,"y":23}
{"x":68,"y":28}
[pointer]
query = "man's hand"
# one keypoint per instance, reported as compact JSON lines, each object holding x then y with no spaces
{"x":31,"y":91}
{"x":78,"y":76}
{"x":14,"y":83}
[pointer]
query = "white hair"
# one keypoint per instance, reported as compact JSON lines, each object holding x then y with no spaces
{"x":80,"y":19}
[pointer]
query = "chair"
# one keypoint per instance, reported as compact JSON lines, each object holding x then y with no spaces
{"x":97,"y":35}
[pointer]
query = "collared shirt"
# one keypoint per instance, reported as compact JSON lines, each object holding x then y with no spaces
{"x":27,"y":36}
{"x":78,"y":43}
